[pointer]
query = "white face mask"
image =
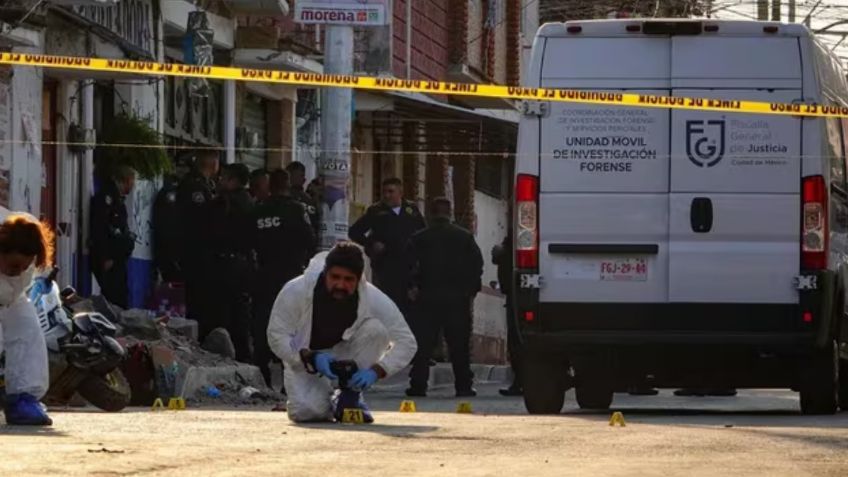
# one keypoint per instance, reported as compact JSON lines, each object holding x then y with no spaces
{"x":11,"y":288}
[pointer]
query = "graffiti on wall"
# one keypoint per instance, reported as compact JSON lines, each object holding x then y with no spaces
{"x":140,"y":210}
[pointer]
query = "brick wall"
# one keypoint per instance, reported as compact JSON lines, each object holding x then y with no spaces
{"x":513,"y":42}
{"x":276,"y":32}
{"x":463,"y":190}
{"x":436,"y":173}
{"x":430,"y":20}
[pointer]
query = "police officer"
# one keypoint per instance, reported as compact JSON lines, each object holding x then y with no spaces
{"x":167,"y":236}
{"x":194,"y":194}
{"x":284,"y":242}
{"x":112,"y":243}
{"x":260,"y":188}
{"x":297,"y":180}
{"x":502,"y":257}
{"x":384,"y":231}
{"x":448,"y":268}
{"x":230,"y":216}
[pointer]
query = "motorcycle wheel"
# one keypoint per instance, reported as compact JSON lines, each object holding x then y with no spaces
{"x":110,"y":392}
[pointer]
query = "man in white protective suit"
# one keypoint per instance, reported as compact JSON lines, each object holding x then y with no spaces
{"x":26,"y":246}
{"x":337,"y":335}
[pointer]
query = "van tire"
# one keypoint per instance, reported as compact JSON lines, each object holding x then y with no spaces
{"x":820,"y":382}
{"x":544,"y":393}
{"x":593,"y":397}
{"x":843,"y":385}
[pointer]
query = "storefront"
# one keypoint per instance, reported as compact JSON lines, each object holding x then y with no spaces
{"x":252,"y":134}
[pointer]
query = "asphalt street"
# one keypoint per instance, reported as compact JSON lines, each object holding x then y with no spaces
{"x":755,"y":433}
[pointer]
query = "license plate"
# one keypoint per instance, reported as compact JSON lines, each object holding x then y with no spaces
{"x":624,"y":270}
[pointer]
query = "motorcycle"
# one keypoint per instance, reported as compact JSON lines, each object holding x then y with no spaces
{"x":83,"y":353}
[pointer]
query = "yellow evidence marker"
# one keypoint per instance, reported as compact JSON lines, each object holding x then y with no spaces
{"x":158,"y":405}
{"x":407,"y":406}
{"x":353,"y":416}
{"x":464,"y":408}
{"x":177,"y":404}
{"x":617,"y":418}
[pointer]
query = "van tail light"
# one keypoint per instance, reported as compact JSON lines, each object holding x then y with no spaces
{"x":814,"y":229}
{"x":527,"y":222}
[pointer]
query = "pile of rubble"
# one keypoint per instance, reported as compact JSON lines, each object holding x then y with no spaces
{"x":164,"y":360}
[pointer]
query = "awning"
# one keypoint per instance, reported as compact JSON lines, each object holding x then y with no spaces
{"x":84,"y":3}
{"x":419,"y":121}
{"x":463,"y":73}
{"x":269,"y":59}
{"x":19,"y":37}
{"x":505,"y":115}
{"x":239,"y":7}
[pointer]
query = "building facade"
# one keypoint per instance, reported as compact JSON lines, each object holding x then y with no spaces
{"x":50,"y":120}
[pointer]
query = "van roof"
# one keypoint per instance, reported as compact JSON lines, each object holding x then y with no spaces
{"x":617,"y":27}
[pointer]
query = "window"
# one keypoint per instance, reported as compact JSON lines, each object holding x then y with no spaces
{"x":491,"y":176}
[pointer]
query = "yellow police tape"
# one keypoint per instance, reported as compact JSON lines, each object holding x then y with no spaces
{"x":422,"y":86}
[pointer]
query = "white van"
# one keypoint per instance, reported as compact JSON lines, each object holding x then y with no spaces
{"x":676,"y":248}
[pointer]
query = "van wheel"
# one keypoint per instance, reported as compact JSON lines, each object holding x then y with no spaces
{"x":843,"y":384}
{"x":820,"y":382}
{"x":545,"y":383}
{"x":592,"y":396}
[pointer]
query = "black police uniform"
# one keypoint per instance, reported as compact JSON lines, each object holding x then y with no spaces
{"x":111,"y":240}
{"x":312,"y":209}
{"x":448,"y":267}
{"x":506,"y":280}
{"x":232,"y":269}
{"x":194,"y":196}
{"x":284,"y":242}
{"x":391,"y":267}
{"x":167,"y":237}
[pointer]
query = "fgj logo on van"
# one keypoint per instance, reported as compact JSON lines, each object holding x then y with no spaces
{"x":705,"y":142}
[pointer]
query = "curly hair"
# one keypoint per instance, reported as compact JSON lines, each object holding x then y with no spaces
{"x":347,"y":255}
{"x":24,"y":235}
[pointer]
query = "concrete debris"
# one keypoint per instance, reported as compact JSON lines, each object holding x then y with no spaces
{"x":165,"y":360}
{"x":100,"y":305}
{"x":181,"y":368}
{"x":218,"y":341}
{"x":140,"y":324}
{"x":184,"y":327}
{"x":229,"y":383}
{"x":249,"y":392}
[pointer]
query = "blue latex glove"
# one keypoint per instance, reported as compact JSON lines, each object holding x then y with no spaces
{"x":363,"y":379}
{"x":322,"y":364}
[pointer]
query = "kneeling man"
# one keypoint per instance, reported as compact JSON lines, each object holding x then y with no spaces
{"x":337,"y":335}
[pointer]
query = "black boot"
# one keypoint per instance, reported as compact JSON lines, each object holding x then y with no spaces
{"x":466,"y":392}
{"x":416,"y":392}
{"x":350,"y":399}
{"x":513,"y":390}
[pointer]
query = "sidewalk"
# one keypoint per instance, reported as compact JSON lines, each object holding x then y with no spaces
{"x":442,"y":375}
